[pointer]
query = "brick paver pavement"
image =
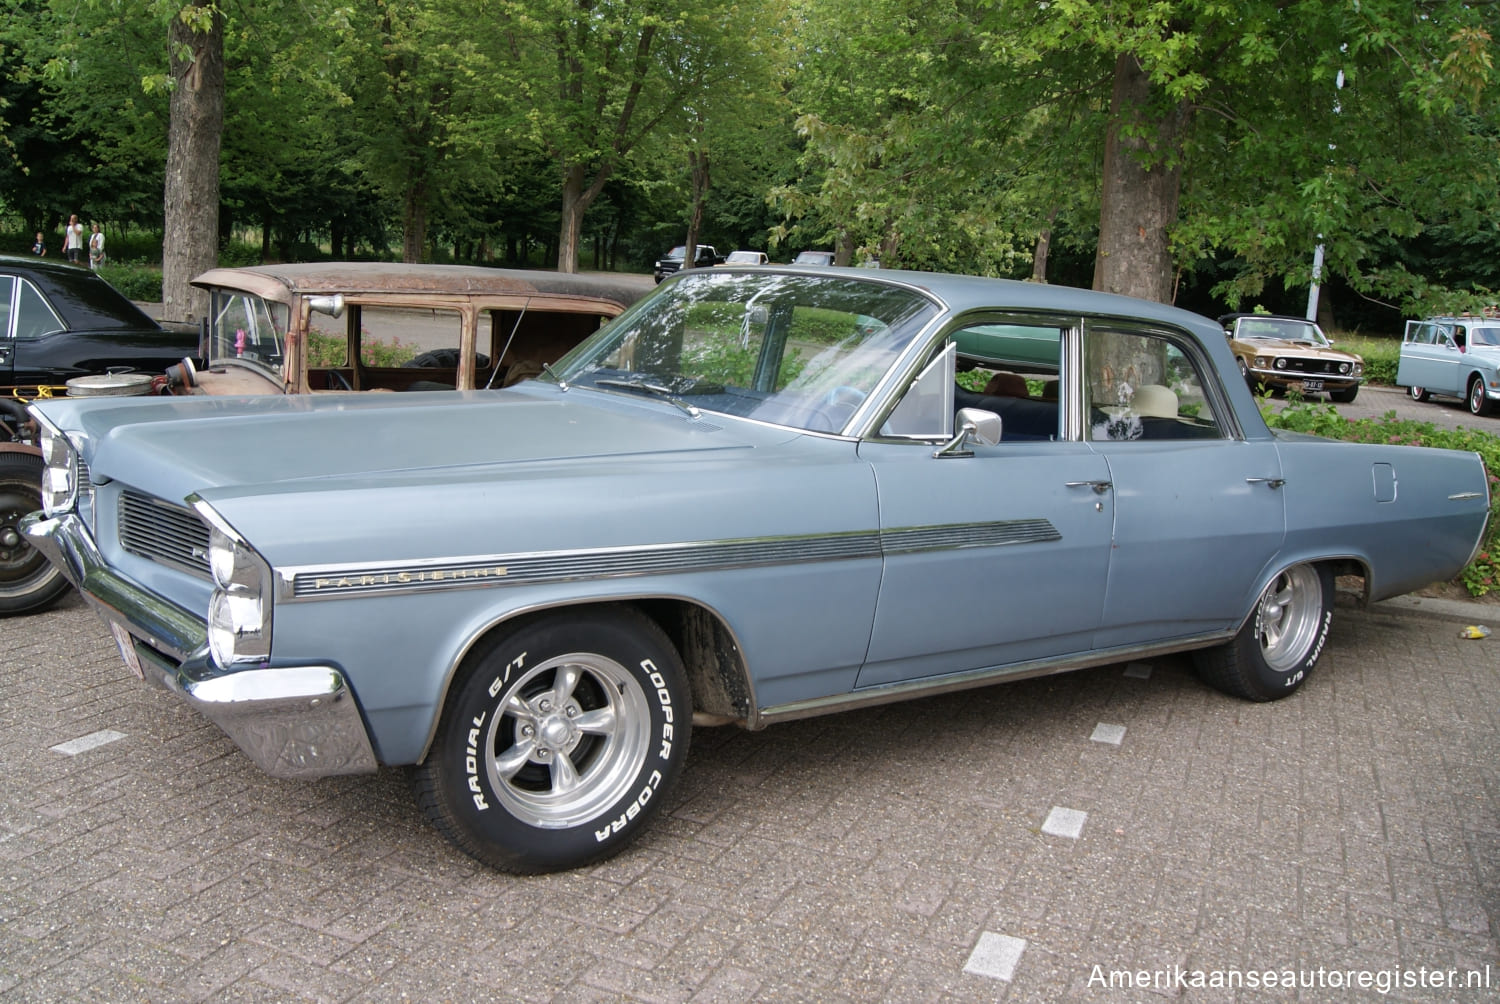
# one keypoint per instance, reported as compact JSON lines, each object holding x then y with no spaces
{"x":904,"y":853}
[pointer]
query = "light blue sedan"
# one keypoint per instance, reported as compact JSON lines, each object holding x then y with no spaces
{"x":1454,"y":357}
{"x":757,"y":495}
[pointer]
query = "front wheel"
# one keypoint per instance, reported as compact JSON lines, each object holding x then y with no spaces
{"x":28,"y":581}
{"x":558,"y":741}
{"x":1418,"y":393}
{"x":1279,"y":645}
{"x":1345,"y":396}
{"x":1479,"y":401}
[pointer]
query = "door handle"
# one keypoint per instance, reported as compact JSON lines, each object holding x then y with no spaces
{"x":1100,"y":487}
{"x":1271,"y":482}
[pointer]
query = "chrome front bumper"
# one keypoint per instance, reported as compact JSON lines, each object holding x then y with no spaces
{"x":294,"y":722}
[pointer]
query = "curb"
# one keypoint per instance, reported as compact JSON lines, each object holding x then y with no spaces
{"x":1429,"y":606}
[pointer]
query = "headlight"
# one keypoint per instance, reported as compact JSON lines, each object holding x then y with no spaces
{"x":239,"y":611}
{"x":1281,"y":364}
{"x":60,"y":476}
{"x":1359,"y":368}
{"x":1260,"y":362}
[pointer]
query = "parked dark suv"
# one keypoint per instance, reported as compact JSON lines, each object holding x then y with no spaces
{"x":706,"y":257}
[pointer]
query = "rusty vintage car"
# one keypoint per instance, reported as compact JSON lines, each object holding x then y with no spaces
{"x":331,"y":326}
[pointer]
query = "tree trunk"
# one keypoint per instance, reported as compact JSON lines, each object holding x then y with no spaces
{"x":573,"y":207}
{"x":413,"y":222}
{"x":1140,"y":190}
{"x":698,"y":170}
{"x":191,"y":193}
{"x":1043,"y":247}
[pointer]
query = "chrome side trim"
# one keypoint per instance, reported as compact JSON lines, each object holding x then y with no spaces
{"x":1465,"y":495}
{"x":961,"y":535}
{"x":892,"y":692}
{"x":308,"y":582}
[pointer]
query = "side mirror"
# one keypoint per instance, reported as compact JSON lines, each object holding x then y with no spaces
{"x":974,"y":424}
{"x":980,"y":425}
{"x":333,"y":305}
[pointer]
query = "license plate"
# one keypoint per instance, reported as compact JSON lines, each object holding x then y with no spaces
{"x":1311,"y":385}
{"x":127,"y":650}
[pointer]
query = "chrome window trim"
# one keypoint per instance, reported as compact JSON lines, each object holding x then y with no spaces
{"x":1209,"y":378}
{"x":8,"y":332}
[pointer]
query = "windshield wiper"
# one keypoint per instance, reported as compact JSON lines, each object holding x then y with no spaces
{"x":639,"y":383}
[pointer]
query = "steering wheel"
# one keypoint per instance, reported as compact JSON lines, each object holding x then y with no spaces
{"x":836,"y":407}
{"x":337,"y":381}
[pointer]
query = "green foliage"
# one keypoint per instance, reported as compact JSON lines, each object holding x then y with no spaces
{"x":137,"y":280}
{"x":1381,"y":356}
{"x":1483,"y":574}
{"x":332,"y":351}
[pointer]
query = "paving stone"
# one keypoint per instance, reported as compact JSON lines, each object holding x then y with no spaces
{"x":861,"y":857}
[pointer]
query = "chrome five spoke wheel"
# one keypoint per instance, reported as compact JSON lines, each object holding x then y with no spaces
{"x":1289,"y":617}
{"x":568,"y":740}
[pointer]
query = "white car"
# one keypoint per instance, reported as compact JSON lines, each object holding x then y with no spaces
{"x":747,"y":258}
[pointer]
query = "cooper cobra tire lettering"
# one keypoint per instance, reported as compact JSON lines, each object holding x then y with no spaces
{"x":559,"y":738}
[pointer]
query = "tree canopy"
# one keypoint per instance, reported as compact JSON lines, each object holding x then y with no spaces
{"x":1200,"y":144}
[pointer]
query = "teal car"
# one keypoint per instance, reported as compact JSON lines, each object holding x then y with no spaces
{"x":757,"y":495}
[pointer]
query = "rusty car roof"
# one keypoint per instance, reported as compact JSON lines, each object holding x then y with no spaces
{"x":313,"y":278}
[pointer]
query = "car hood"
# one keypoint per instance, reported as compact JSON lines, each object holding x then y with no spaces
{"x":173,"y":447}
{"x":1286,"y":345}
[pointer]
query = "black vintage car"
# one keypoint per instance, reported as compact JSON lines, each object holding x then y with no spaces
{"x":59,"y":321}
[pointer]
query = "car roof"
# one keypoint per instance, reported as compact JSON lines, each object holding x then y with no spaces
{"x":314,"y":278}
{"x":967,"y":293}
{"x":83,"y":298}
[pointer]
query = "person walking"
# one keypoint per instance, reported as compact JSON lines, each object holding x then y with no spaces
{"x":39,"y":246}
{"x":96,"y":247}
{"x":73,"y":240}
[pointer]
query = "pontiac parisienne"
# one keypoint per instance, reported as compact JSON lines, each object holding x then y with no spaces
{"x":756,"y":495}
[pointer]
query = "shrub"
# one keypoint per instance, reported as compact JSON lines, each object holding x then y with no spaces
{"x":1381,"y":355}
{"x":137,"y":280}
{"x":1482,"y":575}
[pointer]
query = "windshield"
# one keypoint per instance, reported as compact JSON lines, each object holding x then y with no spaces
{"x":1280,"y":327}
{"x":789,"y":349}
{"x":246,"y":328}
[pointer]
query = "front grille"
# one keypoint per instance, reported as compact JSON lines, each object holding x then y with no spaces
{"x":1327,"y":366}
{"x":163,"y":532}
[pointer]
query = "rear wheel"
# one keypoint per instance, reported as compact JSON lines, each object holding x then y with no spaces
{"x":28,"y":581}
{"x":1418,"y":393}
{"x":558,"y":741}
{"x":1479,"y":401}
{"x":1279,"y":645}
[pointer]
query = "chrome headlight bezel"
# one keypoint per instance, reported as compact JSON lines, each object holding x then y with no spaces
{"x":59,"y":470}
{"x":239,"y":609}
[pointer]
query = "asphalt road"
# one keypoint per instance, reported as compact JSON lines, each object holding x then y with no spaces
{"x":1036,"y":841}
